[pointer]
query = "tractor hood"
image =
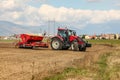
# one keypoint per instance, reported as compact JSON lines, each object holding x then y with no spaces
{"x":72,"y":38}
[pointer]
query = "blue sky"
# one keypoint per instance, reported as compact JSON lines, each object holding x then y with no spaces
{"x":80,"y":4}
{"x":77,"y":14}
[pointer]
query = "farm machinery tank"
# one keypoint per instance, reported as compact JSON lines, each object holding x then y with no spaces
{"x":31,"y":41}
{"x":66,"y":39}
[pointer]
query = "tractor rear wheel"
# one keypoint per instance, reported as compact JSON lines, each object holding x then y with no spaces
{"x":74,"y":46}
{"x":56,"y":44}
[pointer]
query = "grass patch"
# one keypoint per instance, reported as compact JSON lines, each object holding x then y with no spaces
{"x":68,"y":72}
{"x":107,"y":71}
{"x":111,"y":42}
{"x":7,"y":41}
{"x":103,"y":71}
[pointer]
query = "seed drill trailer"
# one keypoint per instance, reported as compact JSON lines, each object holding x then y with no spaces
{"x":31,"y":41}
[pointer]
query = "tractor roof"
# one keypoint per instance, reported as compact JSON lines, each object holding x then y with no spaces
{"x":65,"y":29}
{"x":62,"y":29}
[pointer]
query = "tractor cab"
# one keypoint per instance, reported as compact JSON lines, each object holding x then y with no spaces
{"x":66,"y":34}
{"x":63,"y":33}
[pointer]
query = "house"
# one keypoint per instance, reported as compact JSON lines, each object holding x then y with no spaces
{"x":107,"y":36}
{"x":2,"y":37}
{"x":87,"y":37}
{"x":111,"y":36}
{"x":117,"y":36}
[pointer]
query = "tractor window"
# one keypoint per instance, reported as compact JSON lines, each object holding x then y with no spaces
{"x":71,"y":33}
{"x":62,"y":33}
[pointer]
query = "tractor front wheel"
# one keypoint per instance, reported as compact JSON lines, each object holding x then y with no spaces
{"x":56,"y":44}
{"x":82,"y":49}
{"x":74,"y":46}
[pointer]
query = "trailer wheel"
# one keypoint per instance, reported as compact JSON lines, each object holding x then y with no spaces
{"x":33,"y":47}
{"x":56,"y":44}
{"x":20,"y":46}
{"x":74,"y":46}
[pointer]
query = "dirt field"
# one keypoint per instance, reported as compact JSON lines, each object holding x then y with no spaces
{"x":22,"y":64}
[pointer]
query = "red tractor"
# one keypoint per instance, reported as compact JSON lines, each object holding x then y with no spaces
{"x":66,"y":39}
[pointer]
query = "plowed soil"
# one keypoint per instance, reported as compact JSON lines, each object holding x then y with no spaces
{"x":22,"y":64}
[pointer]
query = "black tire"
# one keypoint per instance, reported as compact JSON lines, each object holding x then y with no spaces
{"x":20,"y":46}
{"x":56,"y":44}
{"x":65,"y":48}
{"x":82,"y":49}
{"x":74,"y":46}
{"x":33,"y":47}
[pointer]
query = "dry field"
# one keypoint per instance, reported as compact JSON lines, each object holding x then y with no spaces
{"x":28,"y":64}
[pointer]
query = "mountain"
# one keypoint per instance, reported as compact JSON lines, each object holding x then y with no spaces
{"x":108,"y":27}
{"x":9,"y":28}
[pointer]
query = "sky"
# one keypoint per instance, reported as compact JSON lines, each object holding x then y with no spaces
{"x":78,"y":14}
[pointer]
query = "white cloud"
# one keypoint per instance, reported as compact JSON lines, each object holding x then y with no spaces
{"x":118,"y":4}
{"x":74,"y":15}
{"x":6,"y":4}
{"x":19,"y":12}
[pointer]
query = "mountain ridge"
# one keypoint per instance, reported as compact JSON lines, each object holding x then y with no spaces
{"x":10,"y":28}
